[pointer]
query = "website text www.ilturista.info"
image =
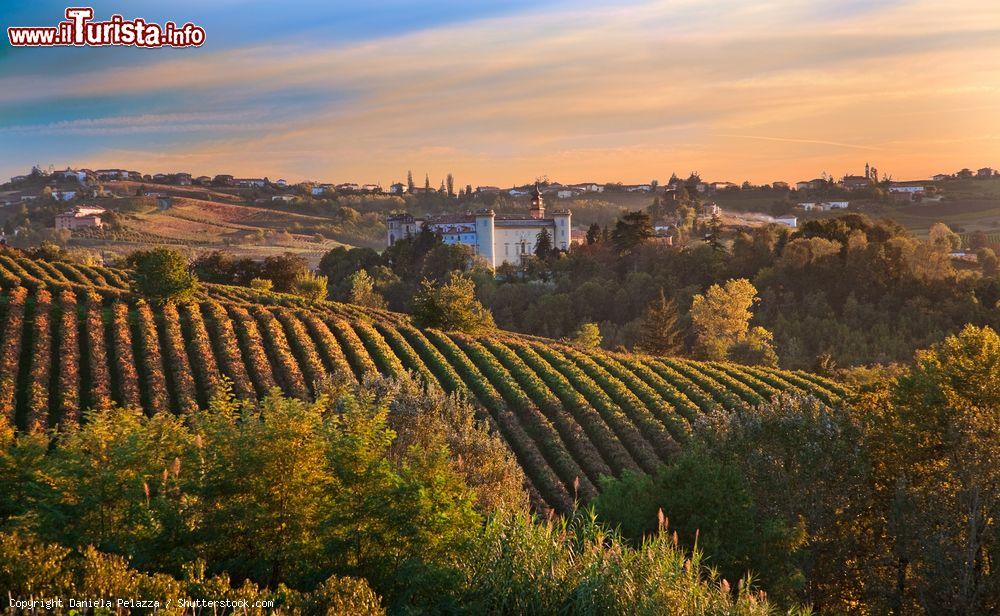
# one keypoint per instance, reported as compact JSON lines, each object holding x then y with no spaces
{"x":80,"y":30}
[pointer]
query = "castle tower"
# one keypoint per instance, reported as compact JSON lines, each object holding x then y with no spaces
{"x":537,"y":210}
{"x":485,"y":230}
{"x":562,"y":233}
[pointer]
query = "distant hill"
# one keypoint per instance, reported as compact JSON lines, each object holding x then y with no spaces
{"x":73,"y":337}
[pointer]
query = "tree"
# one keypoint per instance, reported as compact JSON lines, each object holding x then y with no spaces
{"x":427,"y":183}
{"x":708,"y":504}
{"x":284,"y":270}
{"x":162,"y":274}
{"x":631,"y":230}
{"x":588,"y":337}
{"x":450,"y":184}
{"x":713,"y":238}
{"x":593,"y":233}
{"x":756,"y":349}
{"x":662,"y":332}
{"x":806,"y":464}
{"x":943,"y":237}
{"x":721,"y":317}
{"x":935,"y":432}
{"x":310,"y":286}
{"x":451,"y":306}
{"x":988,"y":261}
{"x":409,"y":182}
{"x":363,"y":291}
{"x":543,"y":244}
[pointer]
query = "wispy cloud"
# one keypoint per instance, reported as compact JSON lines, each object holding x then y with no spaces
{"x":736,"y":88}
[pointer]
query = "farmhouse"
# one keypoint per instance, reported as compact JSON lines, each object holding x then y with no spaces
{"x":112,"y":174}
{"x":82,"y":217}
{"x":589,"y":187}
{"x":815,"y":184}
{"x":398,"y":188}
{"x":250,"y":182}
{"x":497,"y":239}
{"x":855,"y":182}
{"x":72,"y":174}
{"x":717,"y":186}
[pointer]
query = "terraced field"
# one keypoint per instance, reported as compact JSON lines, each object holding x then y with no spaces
{"x":74,"y":337}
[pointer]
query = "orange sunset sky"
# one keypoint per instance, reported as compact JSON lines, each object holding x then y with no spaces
{"x":502,"y":93}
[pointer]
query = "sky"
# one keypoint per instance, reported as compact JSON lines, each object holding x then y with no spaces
{"x":502,"y":93}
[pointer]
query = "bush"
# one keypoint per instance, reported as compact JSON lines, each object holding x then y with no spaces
{"x":451,"y":306}
{"x":162,"y":275}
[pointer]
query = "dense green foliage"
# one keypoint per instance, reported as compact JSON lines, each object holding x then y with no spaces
{"x":837,"y":291}
{"x":162,"y":274}
{"x":885,"y":505}
{"x":310,"y":505}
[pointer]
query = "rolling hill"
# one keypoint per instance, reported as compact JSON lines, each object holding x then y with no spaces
{"x":74,"y":337}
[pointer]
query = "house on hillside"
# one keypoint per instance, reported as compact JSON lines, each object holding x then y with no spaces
{"x":397,"y":188}
{"x":63,"y":195}
{"x":182,"y":179}
{"x":567,"y":193}
{"x":908,"y":189}
{"x":160,"y":177}
{"x":788,"y":221}
{"x":18,"y":178}
{"x":321,"y":189}
{"x":111,"y":174}
{"x":285,"y":198}
{"x":348,"y":187}
{"x":589,"y":187}
{"x":223,"y":180}
{"x":371,"y":188}
{"x":823,"y":206}
{"x":717,"y":186}
{"x":80,"y":218}
{"x":779,"y":185}
{"x":250,"y":182}
{"x":517,"y":192}
{"x":816,"y":184}
{"x":855,"y":182}
{"x":72,"y":174}
{"x":203,"y":180}
{"x":639,"y":188}
{"x":497,"y":239}
{"x":281,"y":183}
{"x":940,"y":177}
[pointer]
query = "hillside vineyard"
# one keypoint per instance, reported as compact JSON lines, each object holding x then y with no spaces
{"x":74,"y":337}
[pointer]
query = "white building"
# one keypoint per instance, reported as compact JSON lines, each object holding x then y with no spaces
{"x":63,"y":195}
{"x":72,"y":174}
{"x":80,"y":218}
{"x":788,"y":221}
{"x":497,"y":239}
{"x":824,"y":206}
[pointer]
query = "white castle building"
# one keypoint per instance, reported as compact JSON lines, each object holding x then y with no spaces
{"x":498,"y":239}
